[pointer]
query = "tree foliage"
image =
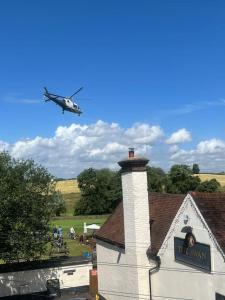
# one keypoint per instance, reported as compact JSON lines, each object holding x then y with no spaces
{"x":100,"y":191}
{"x":181,"y":180}
{"x":156,"y":179}
{"x":195,"y":169}
{"x":27,"y":202}
{"x":59,"y":205}
{"x":209,"y":186}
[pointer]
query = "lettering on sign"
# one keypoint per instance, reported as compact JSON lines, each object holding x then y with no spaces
{"x":196,"y":255}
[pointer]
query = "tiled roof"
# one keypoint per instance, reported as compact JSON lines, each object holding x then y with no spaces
{"x":112,"y":230}
{"x":163,"y":208}
{"x":212,"y":208}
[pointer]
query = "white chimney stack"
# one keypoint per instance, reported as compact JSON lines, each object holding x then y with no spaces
{"x":135,"y":202}
{"x":136,"y":223}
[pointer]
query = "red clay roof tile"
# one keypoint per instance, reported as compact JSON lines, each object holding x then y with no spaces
{"x":163,"y":208}
{"x":212,"y":208}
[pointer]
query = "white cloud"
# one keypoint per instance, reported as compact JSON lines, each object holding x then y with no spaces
{"x":100,"y":145}
{"x":180,"y":136}
{"x":210,"y":154}
{"x":77,"y":147}
{"x":173,"y":149}
{"x":144,"y":133}
{"x":211,"y":146}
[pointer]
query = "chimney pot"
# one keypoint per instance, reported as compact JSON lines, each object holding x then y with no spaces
{"x":131,"y":152}
{"x":132,"y":163}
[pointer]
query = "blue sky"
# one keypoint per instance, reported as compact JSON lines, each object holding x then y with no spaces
{"x":155,"y":63}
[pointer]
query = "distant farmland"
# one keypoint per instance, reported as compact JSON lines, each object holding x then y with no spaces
{"x":71,"y":186}
{"x":219,"y":177}
{"x":67,"y":186}
{"x":70,"y":192}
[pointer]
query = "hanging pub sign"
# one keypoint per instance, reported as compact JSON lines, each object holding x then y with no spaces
{"x":192,"y":253}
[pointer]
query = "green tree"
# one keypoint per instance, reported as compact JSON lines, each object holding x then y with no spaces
{"x":59,"y":206}
{"x":195,"y":169}
{"x":181,"y":180}
{"x":100,"y":191}
{"x":209,"y":186}
{"x":27,"y":204}
{"x":156,"y":179}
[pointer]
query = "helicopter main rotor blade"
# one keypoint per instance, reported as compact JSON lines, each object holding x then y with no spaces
{"x":76,"y":92}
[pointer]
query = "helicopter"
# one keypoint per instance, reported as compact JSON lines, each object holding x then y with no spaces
{"x":66,"y":103}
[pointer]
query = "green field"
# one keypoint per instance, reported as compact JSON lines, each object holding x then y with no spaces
{"x":77,"y":222}
{"x":71,"y":194}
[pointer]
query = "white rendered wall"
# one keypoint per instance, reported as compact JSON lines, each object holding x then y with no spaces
{"x":178,"y":280}
{"x":33,"y":281}
{"x":118,"y":274}
{"x":174,"y":280}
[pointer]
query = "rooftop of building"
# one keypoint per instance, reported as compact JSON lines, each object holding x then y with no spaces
{"x":66,"y":294}
{"x":162,"y":211}
{"x":61,"y":261}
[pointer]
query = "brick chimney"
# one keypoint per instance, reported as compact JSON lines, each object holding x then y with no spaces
{"x":135,"y":203}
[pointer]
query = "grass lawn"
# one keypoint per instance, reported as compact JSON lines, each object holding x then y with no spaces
{"x":71,"y":194}
{"x":75,"y":249}
{"x":77,"y":222}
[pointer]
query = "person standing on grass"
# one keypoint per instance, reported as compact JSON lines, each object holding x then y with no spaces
{"x":72,"y":233}
{"x":55,"y":232}
{"x":60,"y":232}
{"x":81,"y":239}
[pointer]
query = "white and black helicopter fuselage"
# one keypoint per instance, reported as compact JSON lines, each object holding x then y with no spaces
{"x":66,"y":103}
